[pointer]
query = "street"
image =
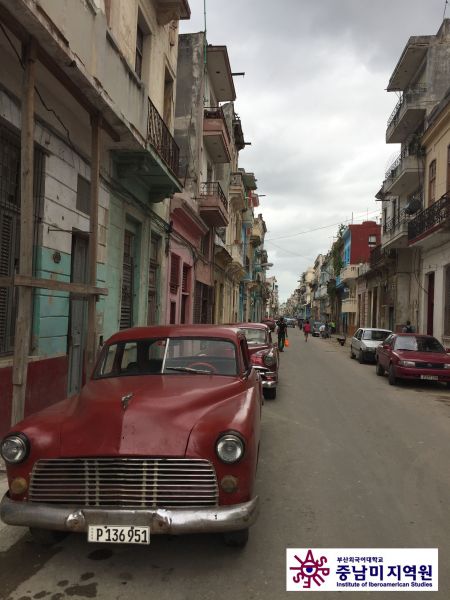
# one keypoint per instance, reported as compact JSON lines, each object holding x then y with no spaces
{"x":346,"y":461}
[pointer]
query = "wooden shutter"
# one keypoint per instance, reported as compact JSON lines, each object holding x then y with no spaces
{"x":185,"y":286}
{"x":126,"y":309}
{"x":197,"y":302}
{"x":174,"y":273}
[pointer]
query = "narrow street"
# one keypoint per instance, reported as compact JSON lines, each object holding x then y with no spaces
{"x":346,"y":461}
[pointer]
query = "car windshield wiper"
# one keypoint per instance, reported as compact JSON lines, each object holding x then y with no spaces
{"x":188,"y":370}
{"x":407,"y":349}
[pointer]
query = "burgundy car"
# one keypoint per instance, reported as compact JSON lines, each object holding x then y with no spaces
{"x":264,"y":356}
{"x":164,"y":438}
{"x":413,"y":356}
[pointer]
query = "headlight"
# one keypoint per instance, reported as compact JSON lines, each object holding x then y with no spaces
{"x":230,"y":448}
{"x":407,"y":363}
{"x":14,"y":448}
{"x":269,"y":360}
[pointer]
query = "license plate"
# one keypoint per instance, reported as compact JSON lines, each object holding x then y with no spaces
{"x":429,"y":377}
{"x":116,"y":534}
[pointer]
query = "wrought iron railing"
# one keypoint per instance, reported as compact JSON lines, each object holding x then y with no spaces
{"x":376,"y":256}
{"x":159,"y":136}
{"x":216,"y":112}
{"x":405,"y":99}
{"x":430,"y":218}
{"x":396,"y":221}
{"x":213,"y":188}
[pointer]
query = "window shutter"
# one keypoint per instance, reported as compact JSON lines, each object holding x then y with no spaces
{"x":174,"y":273}
{"x":186,"y":279}
{"x":126,"y":309}
{"x":197,"y":303}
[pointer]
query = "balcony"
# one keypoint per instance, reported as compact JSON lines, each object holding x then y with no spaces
{"x":237,"y":191}
{"x":172,"y":10}
{"x":404,"y":175}
{"x":407,"y":115}
{"x":157,"y":168}
{"x":395,"y":231}
{"x":380,"y":257}
{"x":427,"y":228}
{"x":409,"y":62}
{"x":213,"y":206}
{"x":257,"y":236}
{"x":349,"y":273}
{"x":216,"y":136}
{"x":349,"y":305}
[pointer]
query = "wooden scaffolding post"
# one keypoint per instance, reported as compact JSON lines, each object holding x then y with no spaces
{"x":23,"y":319}
{"x":91,"y":344}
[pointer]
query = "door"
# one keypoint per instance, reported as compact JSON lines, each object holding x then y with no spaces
{"x":77,"y":315}
{"x":430,"y":304}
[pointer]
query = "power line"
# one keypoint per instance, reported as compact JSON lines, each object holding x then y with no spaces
{"x":319,"y":228}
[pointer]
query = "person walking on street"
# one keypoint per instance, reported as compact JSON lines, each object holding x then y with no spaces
{"x":306,"y":330}
{"x":282,"y":333}
{"x":408,"y":328}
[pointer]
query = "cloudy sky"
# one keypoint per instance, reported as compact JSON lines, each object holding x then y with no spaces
{"x":314,"y":107}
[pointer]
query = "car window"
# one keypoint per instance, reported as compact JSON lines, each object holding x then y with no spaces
{"x":254,"y":336}
{"x":358,"y":334}
{"x":169,"y":356}
{"x":418,"y":344}
{"x":388,"y":340}
{"x":374,"y":335}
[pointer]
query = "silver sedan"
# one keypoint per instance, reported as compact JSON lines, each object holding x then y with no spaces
{"x":365,"y":341}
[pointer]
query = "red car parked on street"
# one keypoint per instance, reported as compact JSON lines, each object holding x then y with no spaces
{"x":413,"y":356}
{"x":264,"y":356}
{"x":164,"y":438}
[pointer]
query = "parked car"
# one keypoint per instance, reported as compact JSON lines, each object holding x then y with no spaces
{"x":413,"y":356}
{"x":291,"y":322}
{"x":271,"y":323}
{"x":163,"y":439}
{"x":264,"y":356}
{"x":365,"y":342}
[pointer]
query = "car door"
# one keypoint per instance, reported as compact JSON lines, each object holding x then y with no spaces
{"x":355,"y":341}
{"x":384,"y":351}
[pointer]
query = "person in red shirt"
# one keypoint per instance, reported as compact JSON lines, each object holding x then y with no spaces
{"x":306,"y":330}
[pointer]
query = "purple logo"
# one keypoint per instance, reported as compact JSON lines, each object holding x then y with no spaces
{"x":310,"y":570}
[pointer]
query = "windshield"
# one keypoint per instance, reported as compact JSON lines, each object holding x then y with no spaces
{"x":375,"y":336}
{"x":171,"y":356}
{"x":254,"y":336}
{"x":418,"y":344}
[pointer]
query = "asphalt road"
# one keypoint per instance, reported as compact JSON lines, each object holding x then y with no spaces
{"x":346,"y":461}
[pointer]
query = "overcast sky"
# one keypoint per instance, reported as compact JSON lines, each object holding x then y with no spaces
{"x":314,"y":107}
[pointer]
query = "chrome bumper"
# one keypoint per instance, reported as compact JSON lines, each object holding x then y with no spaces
{"x":169,"y":521}
{"x":263,"y":373}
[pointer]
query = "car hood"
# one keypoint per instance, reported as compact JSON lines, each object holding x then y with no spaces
{"x":157,"y":418}
{"x":427,"y":357}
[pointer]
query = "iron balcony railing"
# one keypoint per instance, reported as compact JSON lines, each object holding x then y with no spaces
{"x":216,"y":112}
{"x":431,"y":217}
{"x":159,"y":136}
{"x":396,"y":221}
{"x":406,"y":98}
{"x":213,"y":188}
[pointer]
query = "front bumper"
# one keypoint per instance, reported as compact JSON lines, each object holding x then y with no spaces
{"x":443,"y":375}
{"x":217,"y":519}
{"x":269,"y":379}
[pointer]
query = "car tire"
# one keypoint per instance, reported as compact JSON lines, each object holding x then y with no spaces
{"x":360,"y":357}
{"x":351,"y":352}
{"x":47,"y":537}
{"x":236,"y":539}
{"x":379,"y":370}
{"x":270,"y":393}
{"x":391,"y":375}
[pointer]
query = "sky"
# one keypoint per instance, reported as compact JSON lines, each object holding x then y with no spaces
{"x":313,"y":104}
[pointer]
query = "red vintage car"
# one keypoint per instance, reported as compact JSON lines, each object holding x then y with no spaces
{"x":264,"y":356}
{"x":413,"y":356}
{"x":164,"y":438}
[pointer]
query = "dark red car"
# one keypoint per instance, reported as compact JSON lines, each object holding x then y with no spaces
{"x":264,"y":356}
{"x":271,"y":323}
{"x":413,"y":356}
{"x":164,"y":438}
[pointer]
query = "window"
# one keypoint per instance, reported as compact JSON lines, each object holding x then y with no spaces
{"x":174,"y":273}
{"x":126,"y":308}
{"x":185,"y":289}
{"x":168,"y":99}
{"x":205,"y":243}
{"x":139,"y":56}
{"x":432,"y":183}
{"x":372,"y":241}
{"x":83,"y":195}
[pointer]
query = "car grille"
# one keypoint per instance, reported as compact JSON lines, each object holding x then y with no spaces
{"x":130,"y":482}
{"x":425,"y":365}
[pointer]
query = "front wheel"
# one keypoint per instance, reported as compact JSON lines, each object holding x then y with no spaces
{"x":236,"y":539}
{"x":47,"y":537}
{"x":391,"y":375}
{"x":270,"y":393}
{"x":379,"y":369}
{"x":360,"y":357}
{"x":351,"y":352}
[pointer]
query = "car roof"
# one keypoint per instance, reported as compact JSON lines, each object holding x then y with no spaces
{"x":375,"y":329}
{"x":226,"y":332}
{"x":247,"y":325}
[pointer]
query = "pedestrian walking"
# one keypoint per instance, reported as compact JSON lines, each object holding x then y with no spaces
{"x":408,"y":328}
{"x":282,"y":333}
{"x":306,"y":330}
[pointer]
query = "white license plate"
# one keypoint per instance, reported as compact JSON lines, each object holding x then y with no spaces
{"x":429,"y":377}
{"x":116,"y":534}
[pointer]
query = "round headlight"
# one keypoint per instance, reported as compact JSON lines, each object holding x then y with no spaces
{"x":230,"y":448}
{"x":14,"y":448}
{"x":269,"y":360}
